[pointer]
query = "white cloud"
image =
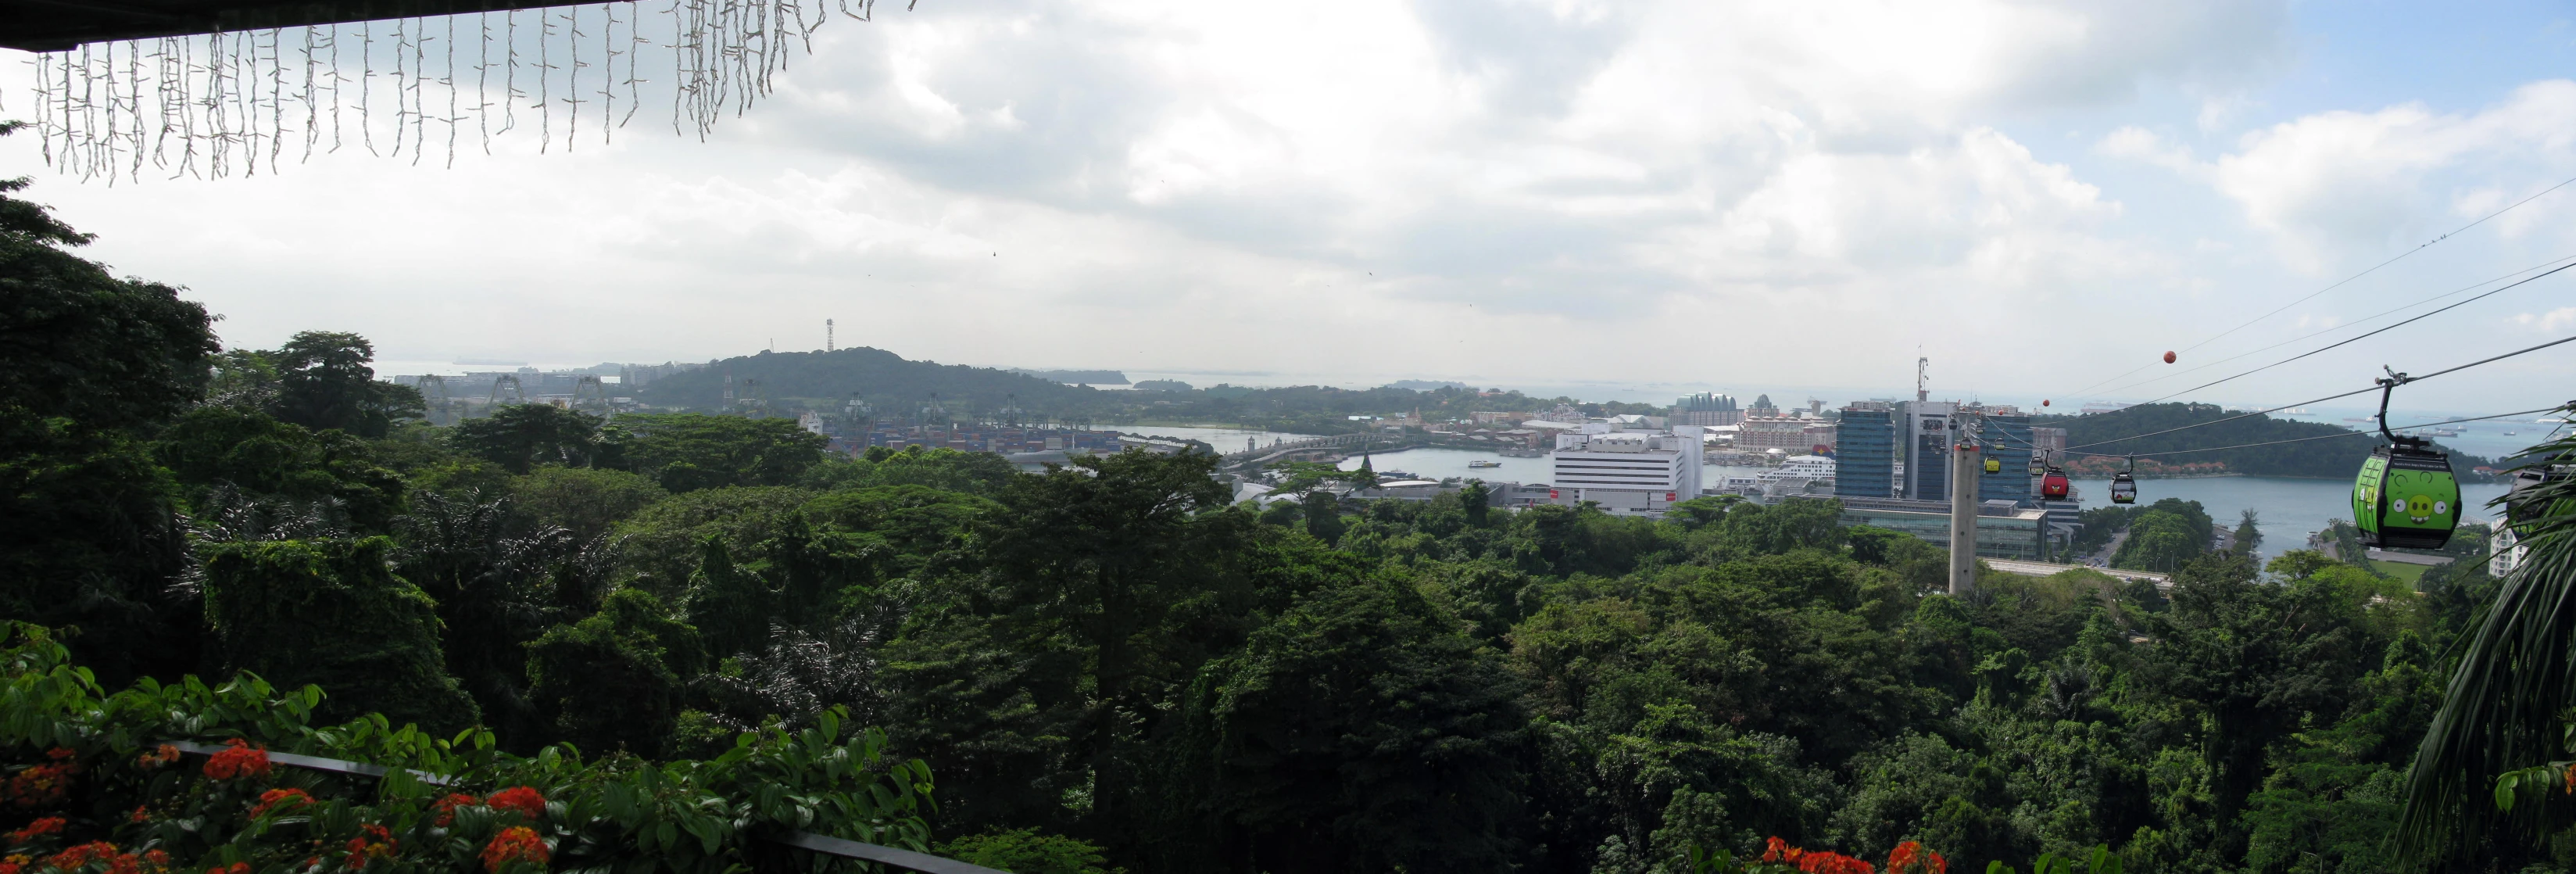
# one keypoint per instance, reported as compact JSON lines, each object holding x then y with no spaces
{"x":1263,"y":186}
{"x":2553,"y":321}
{"x":2343,"y":180}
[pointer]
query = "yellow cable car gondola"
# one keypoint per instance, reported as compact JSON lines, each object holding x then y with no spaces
{"x":1994,"y":465}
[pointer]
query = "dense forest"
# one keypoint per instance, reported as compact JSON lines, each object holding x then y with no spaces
{"x":1104,"y":666}
{"x":2330,"y":458}
{"x":896,"y":386}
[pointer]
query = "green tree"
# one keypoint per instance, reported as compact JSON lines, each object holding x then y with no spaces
{"x":324,"y":383}
{"x":584,"y":501}
{"x":90,"y":364}
{"x":1323,"y":511}
{"x":978,"y":473}
{"x":1028,"y":851}
{"x":614,"y":681}
{"x":1363,"y":731}
{"x":211,"y":449}
{"x":1110,"y":552}
{"x":687,"y":452}
{"x":521,"y":437}
{"x":1476,"y":501}
{"x":665,"y":542}
{"x":2248,"y":536}
{"x":331,"y":613}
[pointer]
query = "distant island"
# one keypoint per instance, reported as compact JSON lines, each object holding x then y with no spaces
{"x":2323,"y":452}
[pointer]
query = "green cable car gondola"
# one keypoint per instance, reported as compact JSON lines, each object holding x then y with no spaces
{"x":1994,"y":465}
{"x":2406,"y":496}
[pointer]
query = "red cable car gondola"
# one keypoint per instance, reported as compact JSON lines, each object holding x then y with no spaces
{"x":2054,"y":486}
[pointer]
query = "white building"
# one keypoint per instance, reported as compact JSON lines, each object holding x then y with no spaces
{"x":2508,"y":551}
{"x":1628,"y":473}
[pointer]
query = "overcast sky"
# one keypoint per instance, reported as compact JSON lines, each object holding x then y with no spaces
{"x":1749,"y":197}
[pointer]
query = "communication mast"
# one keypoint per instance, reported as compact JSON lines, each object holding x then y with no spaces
{"x":1922,"y":376}
{"x":827,"y":335}
{"x":754,"y":400}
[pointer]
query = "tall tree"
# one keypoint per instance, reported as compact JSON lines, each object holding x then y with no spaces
{"x":520,"y":437}
{"x":332,"y":613}
{"x":1113,"y":550}
{"x":89,"y":364}
{"x":324,"y":382}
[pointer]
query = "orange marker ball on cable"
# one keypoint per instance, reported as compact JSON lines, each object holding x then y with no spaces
{"x":2169,"y":358}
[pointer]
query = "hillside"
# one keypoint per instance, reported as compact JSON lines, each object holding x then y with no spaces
{"x":887,"y":380}
{"x":2326,"y":458}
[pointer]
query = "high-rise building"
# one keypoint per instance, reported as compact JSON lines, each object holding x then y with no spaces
{"x":1865,"y":465}
{"x":2007,"y":439}
{"x":1707,"y":410}
{"x":1924,"y":427}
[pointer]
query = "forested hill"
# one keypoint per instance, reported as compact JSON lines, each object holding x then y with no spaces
{"x":792,"y":380}
{"x":885,"y":379}
{"x":2328,"y":458}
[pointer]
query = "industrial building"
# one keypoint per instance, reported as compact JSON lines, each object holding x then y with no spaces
{"x":2003,"y":529}
{"x":1627,"y":473}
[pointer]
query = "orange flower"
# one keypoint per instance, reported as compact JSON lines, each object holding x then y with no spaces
{"x":446,"y":807}
{"x":1911,"y":858}
{"x":157,"y":757}
{"x":279,"y":798}
{"x":51,"y":825}
{"x":242,"y":760}
{"x":42,"y":785}
{"x":140,"y":814}
{"x":60,"y":754}
{"x":377,"y":843}
{"x":517,"y":843}
{"x":519,"y":798}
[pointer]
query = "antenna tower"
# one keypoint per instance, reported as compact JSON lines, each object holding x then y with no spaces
{"x":827,"y":335}
{"x":1922,"y":372}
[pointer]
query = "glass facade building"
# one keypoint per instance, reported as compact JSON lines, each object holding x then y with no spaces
{"x":1865,"y":463}
{"x":2007,"y":439}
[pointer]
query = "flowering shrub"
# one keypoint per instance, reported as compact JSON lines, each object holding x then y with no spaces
{"x":515,"y":844}
{"x":94,"y":789}
{"x":242,"y":760}
{"x":275,"y":799}
{"x":521,"y":799}
{"x":1912,"y":858}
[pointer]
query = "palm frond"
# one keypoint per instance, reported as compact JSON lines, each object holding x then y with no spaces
{"x":2501,"y":711}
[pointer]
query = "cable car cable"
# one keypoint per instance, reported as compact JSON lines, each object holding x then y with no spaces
{"x":2308,"y":439}
{"x":2348,"y":340}
{"x":2340,"y":283}
{"x":2353,"y":323}
{"x":2374,"y":387}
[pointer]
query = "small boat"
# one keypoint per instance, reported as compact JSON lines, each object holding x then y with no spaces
{"x":1484,"y":463}
{"x":2510,"y":433}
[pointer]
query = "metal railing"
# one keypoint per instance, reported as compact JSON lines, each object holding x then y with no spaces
{"x":809,"y":841}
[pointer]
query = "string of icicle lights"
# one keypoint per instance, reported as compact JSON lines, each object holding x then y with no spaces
{"x":216,"y":105}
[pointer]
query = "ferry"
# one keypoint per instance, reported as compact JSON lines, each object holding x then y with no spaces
{"x":1800,"y":470}
{"x":2297,"y":411}
{"x":1483,"y":463}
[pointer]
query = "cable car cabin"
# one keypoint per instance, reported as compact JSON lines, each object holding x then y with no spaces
{"x":2124,"y":489}
{"x":1994,"y":465}
{"x":2406,"y":497}
{"x":2037,"y":467}
{"x":2054,"y":486}
{"x":2524,"y":502}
